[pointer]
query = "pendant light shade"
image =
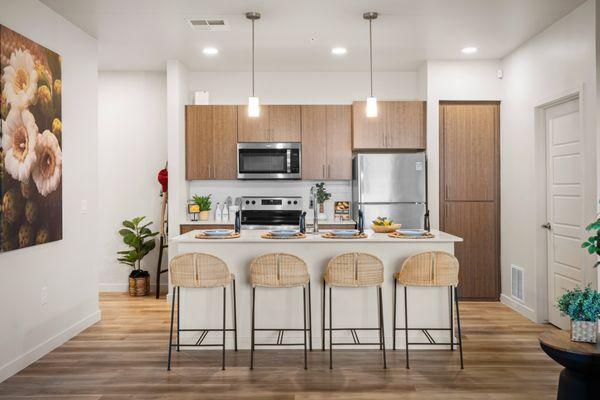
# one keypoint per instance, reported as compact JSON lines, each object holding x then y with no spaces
{"x":253,"y":103}
{"x":371,"y":100}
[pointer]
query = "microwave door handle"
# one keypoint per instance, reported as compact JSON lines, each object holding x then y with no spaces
{"x":289,"y":161}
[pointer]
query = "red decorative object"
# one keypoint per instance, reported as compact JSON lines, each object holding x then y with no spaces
{"x":163,"y":178}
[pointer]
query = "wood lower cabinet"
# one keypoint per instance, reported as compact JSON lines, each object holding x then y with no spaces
{"x":326,"y":142}
{"x":399,"y":125}
{"x":276,"y":123}
{"x":211,"y":142}
{"x":469,"y":192}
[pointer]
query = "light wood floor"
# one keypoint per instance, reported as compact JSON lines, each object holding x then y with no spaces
{"x":124,"y":355}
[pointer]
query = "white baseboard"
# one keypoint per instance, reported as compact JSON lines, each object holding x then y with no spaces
{"x":124,"y":287}
{"x":518,"y":307}
{"x":14,"y":366}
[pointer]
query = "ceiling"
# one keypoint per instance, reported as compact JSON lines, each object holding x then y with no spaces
{"x":297,"y":35}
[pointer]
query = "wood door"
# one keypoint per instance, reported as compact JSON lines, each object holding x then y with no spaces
{"x":253,"y":129}
{"x":405,"y":124}
{"x":314,"y":142}
{"x":339,"y":142}
{"x":284,"y":123}
{"x":564,"y":169}
{"x":469,"y":192}
{"x":198,"y":142}
{"x":368,"y":133}
{"x":224,"y":128}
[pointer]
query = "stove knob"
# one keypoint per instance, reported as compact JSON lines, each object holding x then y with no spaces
{"x":295,"y":201}
{"x":247,"y":201}
{"x":289,"y":202}
{"x":253,"y":202}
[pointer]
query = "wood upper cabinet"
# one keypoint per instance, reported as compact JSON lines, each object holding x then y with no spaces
{"x":276,"y":123}
{"x":398,"y":125}
{"x":326,"y":142}
{"x":210,"y":142}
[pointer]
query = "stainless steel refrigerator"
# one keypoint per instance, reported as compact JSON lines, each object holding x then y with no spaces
{"x":390,"y":185}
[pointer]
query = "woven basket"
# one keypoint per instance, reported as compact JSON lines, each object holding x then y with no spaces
{"x":385,"y":229}
{"x":139,"y":286}
{"x":584,"y":331}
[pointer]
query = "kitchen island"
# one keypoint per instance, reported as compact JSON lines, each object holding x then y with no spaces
{"x":282,"y":308}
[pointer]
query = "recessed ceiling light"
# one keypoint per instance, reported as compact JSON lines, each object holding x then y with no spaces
{"x":210,"y":51}
{"x":469,"y":50}
{"x":339,"y":50}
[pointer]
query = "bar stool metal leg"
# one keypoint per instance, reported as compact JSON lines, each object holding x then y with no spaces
{"x":381,"y":327}
{"x":323,"y":319}
{"x":451,"y":319}
{"x":304,"y":330}
{"x":406,"y":325}
{"x":394,"y":316}
{"x":330,"y":332}
{"x":224,"y":319}
{"x":178,"y":326}
{"x":252,"y":333}
{"x":171,"y":330}
{"x":235,"y":341}
{"x":462,"y":366}
{"x":310,"y":318}
{"x":379,"y":318}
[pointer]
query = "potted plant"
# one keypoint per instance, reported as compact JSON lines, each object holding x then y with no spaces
{"x":140,"y":240}
{"x":583,"y":307}
{"x":205,"y":204}
{"x":322,"y":197}
{"x":592,"y":244}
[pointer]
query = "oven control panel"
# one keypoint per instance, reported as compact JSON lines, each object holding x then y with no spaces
{"x":272,"y":203}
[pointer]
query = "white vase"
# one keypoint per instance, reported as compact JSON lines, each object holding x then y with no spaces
{"x":584,"y":331}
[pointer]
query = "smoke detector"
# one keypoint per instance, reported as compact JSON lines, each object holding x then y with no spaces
{"x":209,"y":24}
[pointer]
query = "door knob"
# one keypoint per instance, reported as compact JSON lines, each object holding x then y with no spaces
{"x":547,"y":226}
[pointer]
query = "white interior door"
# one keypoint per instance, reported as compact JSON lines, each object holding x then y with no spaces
{"x":564,"y":166}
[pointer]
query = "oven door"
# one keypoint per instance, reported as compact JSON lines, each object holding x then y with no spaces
{"x":263,"y":219}
{"x":268,"y":161}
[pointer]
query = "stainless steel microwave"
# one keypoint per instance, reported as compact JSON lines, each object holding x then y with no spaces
{"x":269,"y":160}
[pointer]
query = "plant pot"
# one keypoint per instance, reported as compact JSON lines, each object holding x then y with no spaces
{"x":584,"y":331}
{"x":139,"y":283}
{"x":321,"y":208}
{"x":203,"y":216}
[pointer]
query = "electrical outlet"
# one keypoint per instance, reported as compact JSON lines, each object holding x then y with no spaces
{"x":311,"y":204}
{"x":44,"y":295}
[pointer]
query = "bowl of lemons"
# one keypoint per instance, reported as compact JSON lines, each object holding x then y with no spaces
{"x":384,"y":225}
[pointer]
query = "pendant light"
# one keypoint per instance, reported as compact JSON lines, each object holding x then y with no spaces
{"x":371,"y":100}
{"x":253,"y":104}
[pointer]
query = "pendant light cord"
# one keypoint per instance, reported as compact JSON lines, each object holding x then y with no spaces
{"x":371,"y":52}
{"x":252,"y":58}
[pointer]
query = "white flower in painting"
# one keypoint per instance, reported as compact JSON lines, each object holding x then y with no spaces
{"x":20,"y":79}
{"x":46,"y":173}
{"x":18,"y":141}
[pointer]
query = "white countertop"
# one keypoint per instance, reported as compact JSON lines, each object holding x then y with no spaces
{"x":253,"y":236}
{"x":309,"y":221}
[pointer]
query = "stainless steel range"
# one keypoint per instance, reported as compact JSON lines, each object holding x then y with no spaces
{"x":271,"y":212}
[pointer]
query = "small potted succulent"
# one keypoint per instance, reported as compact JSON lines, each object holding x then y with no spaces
{"x":140,"y":240}
{"x":204,"y":203}
{"x":583,"y":307}
{"x":322,"y":196}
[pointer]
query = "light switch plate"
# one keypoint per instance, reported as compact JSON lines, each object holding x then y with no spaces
{"x":84,"y":206}
{"x":44,"y":295}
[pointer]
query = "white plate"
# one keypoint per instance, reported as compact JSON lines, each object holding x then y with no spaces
{"x":217,"y":232}
{"x":345,"y":232}
{"x":411,"y":232}
{"x":284,"y":232}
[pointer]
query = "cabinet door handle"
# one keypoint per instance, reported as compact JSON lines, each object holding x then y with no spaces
{"x":328,"y":171}
{"x":208,"y":170}
{"x":323,"y":173}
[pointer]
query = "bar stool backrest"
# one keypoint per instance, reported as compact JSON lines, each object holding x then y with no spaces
{"x":199,"y":270}
{"x":354,"y":269}
{"x":433,"y":268}
{"x":278,"y":270}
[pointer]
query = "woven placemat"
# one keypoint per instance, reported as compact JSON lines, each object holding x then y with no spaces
{"x":330,"y":235}
{"x":233,"y":235}
{"x":426,"y":235}
{"x":268,"y":235}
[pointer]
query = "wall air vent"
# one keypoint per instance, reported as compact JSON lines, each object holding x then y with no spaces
{"x":209,"y":24}
{"x":517,"y":284}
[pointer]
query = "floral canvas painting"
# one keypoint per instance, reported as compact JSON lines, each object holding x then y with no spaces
{"x":30,"y":142}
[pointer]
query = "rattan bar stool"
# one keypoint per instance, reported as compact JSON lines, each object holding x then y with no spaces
{"x":280,"y":270}
{"x":432,"y":269}
{"x":353,"y":270}
{"x":199,"y":270}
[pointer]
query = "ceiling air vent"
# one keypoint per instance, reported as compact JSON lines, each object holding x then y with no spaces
{"x":209,"y":24}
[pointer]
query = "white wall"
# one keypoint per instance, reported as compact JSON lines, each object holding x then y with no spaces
{"x":556,"y":62}
{"x":132,"y":144}
{"x":68,"y":268}
{"x":453,"y":80}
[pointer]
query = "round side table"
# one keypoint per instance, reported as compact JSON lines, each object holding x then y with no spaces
{"x":581,"y":377}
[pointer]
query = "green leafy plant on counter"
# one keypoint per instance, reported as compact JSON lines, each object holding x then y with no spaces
{"x":203,"y":202}
{"x":140,"y":240}
{"x":580,"y":305}
{"x":592,"y":244}
{"x":322,"y":194}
